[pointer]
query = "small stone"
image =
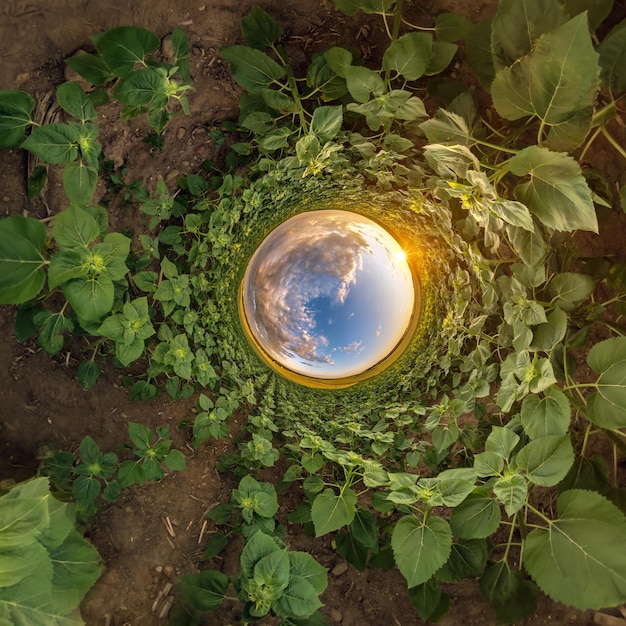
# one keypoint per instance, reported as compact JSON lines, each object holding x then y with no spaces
{"x":159,"y":569}
{"x":339,"y":569}
{"x":336,"y":616}
{"x":180,"y":133}
{"x":167,"y":49}
{"x":168,"y":570}
{"x":6,"y":199}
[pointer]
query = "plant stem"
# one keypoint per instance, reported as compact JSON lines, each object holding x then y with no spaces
{"x":293,"y":87}
{"x":612,"y":141}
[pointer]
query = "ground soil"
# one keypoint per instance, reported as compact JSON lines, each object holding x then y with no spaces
{"x":158,"y":531}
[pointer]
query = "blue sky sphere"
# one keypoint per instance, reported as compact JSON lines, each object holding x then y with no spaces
{"x":328,"y":294}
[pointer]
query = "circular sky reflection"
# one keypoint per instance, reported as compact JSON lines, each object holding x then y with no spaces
{"x":328,"y":294}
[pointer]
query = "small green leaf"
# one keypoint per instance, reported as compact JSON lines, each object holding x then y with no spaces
{"x":88,"y":373}
{"x":125,"y":46}
{"x":612,"y":60}
{"x":252,"y":69}
{"x":327,"y":122}
{"x":260,"y":30}
{"x":364,"y":83}
{"x":331,"y":512}
{"x":175,"y":460}
{"x":557,"y":192}
{"x":409,"y":56}
{"x":546,"y":460}
{"x":441,"y":56}
{"x":420,"y":548}
{"x":91,"y":298}
{"x":74,"y":100}
{"x":79,"y":182}
{"x":570,"y":289}
{"x":16,"y":108}
{"x":339,"y":60}
{"x":545,"y":416}
{"x":75,"y":228}
{"x":467,"y":558}
{"x":511,"y":490}
{"x":451,"y":27}
{"x":91,"y":67}
{"x":141,"y":87}
{"x":547,"y":335}
{"x":54,"y":143}
{"x":588,"y":536}
{"x":502,"y":441}
{"x":204,"y":591}
{"x":477,"y":517}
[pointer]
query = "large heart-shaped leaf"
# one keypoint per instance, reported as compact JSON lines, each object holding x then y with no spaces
{"x":579,"y":558}
{"x":557,"y":192}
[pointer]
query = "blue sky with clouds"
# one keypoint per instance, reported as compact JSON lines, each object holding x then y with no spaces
{"x":328,"y":294}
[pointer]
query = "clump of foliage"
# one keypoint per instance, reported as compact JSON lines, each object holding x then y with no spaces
{"x":91,"y":472}
{"x":443,"y":464}
{"x":46,"y":566}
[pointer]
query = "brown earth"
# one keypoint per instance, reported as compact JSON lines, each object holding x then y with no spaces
{"x":158,"y":531}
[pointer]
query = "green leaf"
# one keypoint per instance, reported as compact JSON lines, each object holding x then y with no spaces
{"x":364,"y":528}
{"x":88,"y":373}
{"x":478,"y":52}
{"x":363,"y":83}
{"x":557,"y":192}
{"x":488,"y":464}
{"x":588,"y":536}
{"x":51,"y":329}
{"x":303,"y":565}
{"x":517,"y":26}
{"x":547,"y":335}
{"x":514,"y":213}
{"x":477,"y":517}
{"x":273,"y":570}
{"x":259,"y":29}
{"x":597,"y":10}
{"x":546,"y":460}
{"x":257,"y":547}
{"x":326,"y":122}
{"x":447,"y":128}
{"x":467,"y":558}
{"x":251,"y":68}
{"x":570,"y":289}
{"x":409,"y":56}
{"x":513,"y":597}
{"x":124,"y":47}
{"x":331,"y":512}
{"x":91,"y":298}
{"x":278,"y":100}
{"x":141,"y":87}
{"x":76,"y":567}
{"x":441,"y":56}
{"x":545,"y":416}
{"x":612,"y":60}
{"x":429,"y":600}
{"x":74,"y":100}
{"x":606,"y":407}
{"x":91,"y":67}
{"x":297,"y":600}
{"x":204,"y":591}
{"x":16,"y":108}
{"x":530,"y":246}
{"x":451,"y":27}
{"x":351,"y":550}
{"x":75,"y":228}
{"x":502,"y":441}
{"x":22,"y":277}
{"x":79,"y":182}
{"x":140,"y":435}
{"x":339,"y":60}
{"x":511,"y":490}
{"x":54,"y":143}
{"x":175,"y":460}
{"x":420,"y":548}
